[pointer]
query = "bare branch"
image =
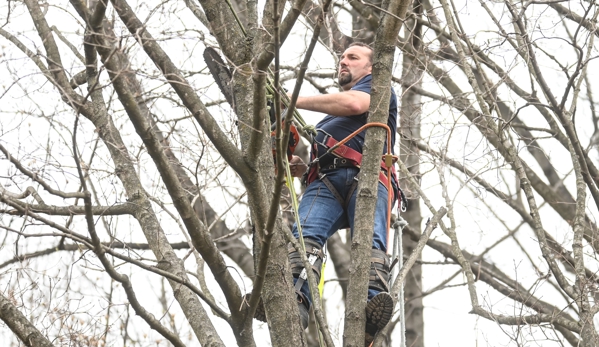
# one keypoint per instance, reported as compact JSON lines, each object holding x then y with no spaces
{"x":20,"y":325}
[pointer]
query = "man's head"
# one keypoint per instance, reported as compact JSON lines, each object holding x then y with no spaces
{"x":355,"y":63}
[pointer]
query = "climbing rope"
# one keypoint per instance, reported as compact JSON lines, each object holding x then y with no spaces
{"x":306,"y":130}
{"x":399,"y":224}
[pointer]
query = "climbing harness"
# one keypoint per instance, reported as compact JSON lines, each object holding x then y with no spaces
{"x":348,"y":157}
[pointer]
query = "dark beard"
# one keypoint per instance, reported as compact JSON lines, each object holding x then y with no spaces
{"x":345,"y":79}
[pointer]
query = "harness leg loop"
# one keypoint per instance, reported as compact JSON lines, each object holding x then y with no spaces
{"x":315,"y":257}
{"x":379,"y":271}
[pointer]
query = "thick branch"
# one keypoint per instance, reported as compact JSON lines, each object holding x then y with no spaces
{"x":54,"y":61}
{"x":21,"y":326}
{"x":117,"y":210}
{"x":190,"y":99}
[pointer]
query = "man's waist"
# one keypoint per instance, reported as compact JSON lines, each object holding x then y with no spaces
{"x":327,"y":150}
{"x":331,"y":162}
{"x":351,"y":150}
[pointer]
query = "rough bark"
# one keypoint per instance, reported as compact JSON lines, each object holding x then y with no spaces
{"x":384,"y":49}
{"x":409,"y":130}
{"x":249,"y":90}
{"x":20,"y":325}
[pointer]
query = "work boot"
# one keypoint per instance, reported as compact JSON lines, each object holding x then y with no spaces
{"x":380,"y":308}
{"x":304,"y":312}
{"x":378,"y":313}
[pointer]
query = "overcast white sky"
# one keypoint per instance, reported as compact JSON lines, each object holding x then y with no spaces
{"x":446,"y":313}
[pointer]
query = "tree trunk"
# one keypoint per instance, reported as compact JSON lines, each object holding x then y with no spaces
{"x":410,"y":115}
{"x":384,"y":49}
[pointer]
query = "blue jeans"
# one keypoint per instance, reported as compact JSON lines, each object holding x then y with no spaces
{"x":321,"y":214}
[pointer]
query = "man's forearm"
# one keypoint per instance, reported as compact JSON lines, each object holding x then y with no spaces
{"x":350,"y":103}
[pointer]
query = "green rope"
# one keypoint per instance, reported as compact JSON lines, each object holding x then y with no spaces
{"x":294,"y":201}
{"x":237,"y":18}
{"x":310,"y":129}
{"x":307,"y":130}
{"x":295,"y":205}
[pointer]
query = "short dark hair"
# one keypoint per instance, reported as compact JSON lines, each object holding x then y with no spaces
{"x":362,"y":44}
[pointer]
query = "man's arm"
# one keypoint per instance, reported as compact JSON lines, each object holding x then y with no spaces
{"x":349,"y":103}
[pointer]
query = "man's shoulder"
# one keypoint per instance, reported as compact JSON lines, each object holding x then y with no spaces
{"x":363,"y":84}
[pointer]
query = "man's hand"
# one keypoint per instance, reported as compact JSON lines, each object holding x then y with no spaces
{"x":297,"y":166}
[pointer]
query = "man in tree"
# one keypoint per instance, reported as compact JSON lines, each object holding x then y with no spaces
{"x":329,"y":201}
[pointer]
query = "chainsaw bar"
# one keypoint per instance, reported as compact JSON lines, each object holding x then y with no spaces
{"x":220,"y":72}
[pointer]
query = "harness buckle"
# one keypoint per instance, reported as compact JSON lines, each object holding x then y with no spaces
{"x":339,"y":162}
{"x":324,"y":132}
{"x":304,"y":179}
{"x":324,"y":139}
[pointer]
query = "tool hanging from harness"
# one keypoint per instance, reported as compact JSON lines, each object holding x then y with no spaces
{"x":345,"y":156}
{"x":294,"y":136}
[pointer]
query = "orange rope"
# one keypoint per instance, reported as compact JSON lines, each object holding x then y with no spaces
{"x":388,"y":168}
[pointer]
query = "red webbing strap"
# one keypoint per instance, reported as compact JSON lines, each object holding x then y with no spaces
{"x":314,"y":167}
{"x":346,"y":152}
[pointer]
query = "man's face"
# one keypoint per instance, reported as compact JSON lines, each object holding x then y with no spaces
{"x":353,"y":65}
